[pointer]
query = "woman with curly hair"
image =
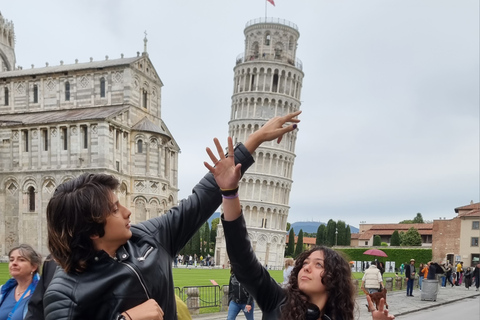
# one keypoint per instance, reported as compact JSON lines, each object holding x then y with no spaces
{"x":320,"y":285}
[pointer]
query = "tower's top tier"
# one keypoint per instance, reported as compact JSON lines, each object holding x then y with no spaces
{"x":7,"y":35}
{"x":271,"y":39}
{"x":7,"y":45}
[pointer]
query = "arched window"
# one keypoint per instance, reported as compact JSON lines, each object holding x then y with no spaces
{"x":144,"y":98}
{"x":267,"y":39}
{"x":102,"y":87}
{"x":6,"y":96}
{"x":67,"y":91}
{"x":35,"y":93}
{"x":31,"y":199}
{"x":140,"y":146}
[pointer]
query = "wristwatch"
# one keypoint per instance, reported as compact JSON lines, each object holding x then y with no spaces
{"x":121,"y":317}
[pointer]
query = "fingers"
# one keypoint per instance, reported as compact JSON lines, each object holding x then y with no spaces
{"x":381,"y":304}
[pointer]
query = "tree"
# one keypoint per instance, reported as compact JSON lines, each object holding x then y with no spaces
{"x":340,"y":238}
{"x":418,"y":218}
{"x":406,"y":222}
{"x":377,"y":241}
{"x":291,"y":243}
{"x":395,"y":240}
{"x":348,"y":233}
{"x":299,"y":247}
{"x":213,"y":232}
{"x":320,"y":238}
{"x":205,"y":241}
{"x":196,"y":243}
{"x":330,"y":233}
{"x":410,"y":238}
{"x":289,"y":225}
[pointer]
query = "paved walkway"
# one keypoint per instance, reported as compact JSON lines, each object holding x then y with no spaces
{"x":399,"y":303}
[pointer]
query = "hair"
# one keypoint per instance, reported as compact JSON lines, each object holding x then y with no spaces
{"x":78,"y":210}
{"x":289,"y":262}
{"x":28,"y":253}
{"x":337,"y":278}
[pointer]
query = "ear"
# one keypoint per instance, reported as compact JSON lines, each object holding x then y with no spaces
{"x":94,"y":236}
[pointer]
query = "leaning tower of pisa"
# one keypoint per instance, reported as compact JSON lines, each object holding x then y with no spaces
{"x":267,"y":83}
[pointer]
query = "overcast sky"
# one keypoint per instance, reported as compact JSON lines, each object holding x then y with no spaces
{"x":390,"y":98}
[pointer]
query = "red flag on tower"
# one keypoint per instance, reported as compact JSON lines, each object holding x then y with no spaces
{"x":272,"y":2}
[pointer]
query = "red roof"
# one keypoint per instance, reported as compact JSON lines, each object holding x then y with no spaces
{"x":471,"y":206}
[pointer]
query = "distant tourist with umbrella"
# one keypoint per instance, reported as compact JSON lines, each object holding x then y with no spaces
{"x":410,"y":276}
{"x":372,"y":279}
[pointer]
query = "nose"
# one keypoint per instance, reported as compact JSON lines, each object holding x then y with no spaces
{"x":306,"y":267}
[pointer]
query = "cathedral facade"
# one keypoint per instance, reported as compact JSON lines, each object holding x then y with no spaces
{"x":57,"y":122}
{"x":267,"y":83}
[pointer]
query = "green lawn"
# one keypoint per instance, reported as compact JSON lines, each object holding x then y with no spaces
{"x":197,"y":276}
{"x":182,"y":277}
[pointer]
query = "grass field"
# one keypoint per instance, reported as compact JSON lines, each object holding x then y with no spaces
{"x":183,"y":277}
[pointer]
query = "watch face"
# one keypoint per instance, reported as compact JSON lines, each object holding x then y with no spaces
{"x":121,"y":317}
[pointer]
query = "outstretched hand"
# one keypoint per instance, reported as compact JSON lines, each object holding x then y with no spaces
{"x":381,"y":313}
{"x":226,"y":173}
{"x":272,"y":129}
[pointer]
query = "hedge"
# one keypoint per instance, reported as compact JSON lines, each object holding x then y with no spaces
{"x":398,"y":254}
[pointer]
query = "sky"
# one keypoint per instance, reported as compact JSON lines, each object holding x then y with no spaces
{"x":390,"y":124}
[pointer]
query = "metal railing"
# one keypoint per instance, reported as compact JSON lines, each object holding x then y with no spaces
{"x":269,"y":57}
{"x":272,"y":20}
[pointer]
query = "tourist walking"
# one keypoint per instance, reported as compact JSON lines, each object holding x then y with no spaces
{"x":372,"y":279}
{"x":476,"y":276}
{"x":421,"y":275}
{"x":410,"y":276}
{"x":289,"y":262}
{"x":468,"y":278}
{"x":238,"y":299}
{"x":449,"y":273}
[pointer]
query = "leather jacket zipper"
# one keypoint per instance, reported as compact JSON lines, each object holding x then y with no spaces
{"x":139,"y":279}
{"x":145,"y":255}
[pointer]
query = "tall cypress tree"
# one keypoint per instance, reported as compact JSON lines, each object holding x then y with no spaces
{"x":330,"y":233}
{"x":299,"y":247}
{"x":341,"y":236}
{"x":348,"y":234}
{"x":395,"y":239}
{"x":320,"y":238}
{"x":291,"y":243}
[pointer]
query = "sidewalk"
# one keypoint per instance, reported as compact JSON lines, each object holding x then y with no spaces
{"x":399,"y":304}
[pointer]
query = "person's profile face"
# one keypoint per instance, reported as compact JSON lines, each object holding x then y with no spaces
{"x":117,"y":224}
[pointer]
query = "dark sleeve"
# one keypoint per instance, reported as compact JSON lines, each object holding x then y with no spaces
{"x":35,"y":305}
{"x":248,"y":270}
{"x":179,"y":224}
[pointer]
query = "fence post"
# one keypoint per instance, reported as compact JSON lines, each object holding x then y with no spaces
{"x":224,"y":301}
{"x":389,"y":284}
{"x":398,"y":283}
{"x":193,"y":300}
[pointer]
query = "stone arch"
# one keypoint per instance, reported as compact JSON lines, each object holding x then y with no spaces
{"x":140,"y":205}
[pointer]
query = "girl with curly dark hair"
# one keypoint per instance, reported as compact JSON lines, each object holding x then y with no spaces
{"x":320,"y":285}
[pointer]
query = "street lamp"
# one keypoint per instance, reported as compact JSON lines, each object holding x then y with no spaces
{"x":336,"y":236}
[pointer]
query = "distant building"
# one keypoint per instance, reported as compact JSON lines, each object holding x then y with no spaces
{"x":368,"y":231}
{"x":57,"y":122}
{"x":308,"y":242}
{"x":457,"y":239}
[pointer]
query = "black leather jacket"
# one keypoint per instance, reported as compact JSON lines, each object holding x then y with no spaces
{"x":268,"y":294}
{"x":143,"y":266}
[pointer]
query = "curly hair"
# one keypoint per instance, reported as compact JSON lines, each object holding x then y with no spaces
{"x":337,"y":279}
{"x":78,"y":210}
